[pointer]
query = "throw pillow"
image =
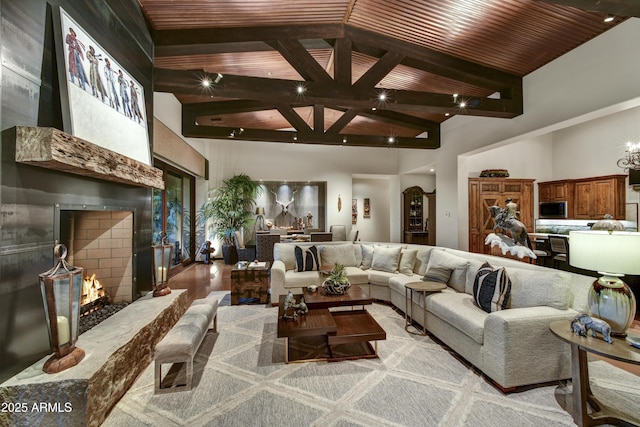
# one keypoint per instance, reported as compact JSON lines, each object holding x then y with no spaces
{"x":386,"y":259}
{"x":438,"y":274}
{"x":306,"y":259}
{"x":338,"y":254}
{"x":367,"y":256}
{"x":491,"y":288}
{"x":441,"y":258}
{"x":407,"y":261}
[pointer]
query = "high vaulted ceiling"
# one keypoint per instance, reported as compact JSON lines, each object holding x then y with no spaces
{"x":313,"y":71}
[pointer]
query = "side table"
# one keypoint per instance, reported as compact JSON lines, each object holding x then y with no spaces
{"x":250,"y":283}
{"x":620,"y":350}
{"x":425,"y":288}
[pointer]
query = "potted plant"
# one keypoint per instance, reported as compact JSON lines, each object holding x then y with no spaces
{"x":337,"y":283}
{"x":231,"y":209}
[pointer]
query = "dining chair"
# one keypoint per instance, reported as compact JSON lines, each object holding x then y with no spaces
{"x":339,"y":232}
{"x":559,"y":250}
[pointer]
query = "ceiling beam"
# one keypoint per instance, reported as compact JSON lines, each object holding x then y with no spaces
{"x":284,"y":92}
{"x":342,"y":65}
{"x":294,"y":118}
{"x":624,"y":8}
{"x":301,"y":60}
{"x":378,"y":71}
{"x":343,"y":121}
{"x":191,"y":130}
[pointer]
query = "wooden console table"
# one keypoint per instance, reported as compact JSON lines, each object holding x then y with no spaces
{"x":620,"y":350}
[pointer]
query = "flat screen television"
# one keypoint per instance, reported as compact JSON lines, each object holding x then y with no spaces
{"x":634,"y":177}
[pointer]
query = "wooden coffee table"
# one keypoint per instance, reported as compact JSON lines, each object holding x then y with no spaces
{"x":620,"y":350}
{"x":322,"y":334}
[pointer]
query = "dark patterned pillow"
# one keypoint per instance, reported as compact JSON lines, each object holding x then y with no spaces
{"x":491,"y":288}
{"x":307,"y":259}
{"x":437,"y":274}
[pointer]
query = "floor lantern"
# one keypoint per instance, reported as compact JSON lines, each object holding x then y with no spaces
{"x":61,"y":291}
{"x":162,"y":255}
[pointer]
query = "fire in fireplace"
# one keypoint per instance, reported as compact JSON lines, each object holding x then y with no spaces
{"x":93,"y":296}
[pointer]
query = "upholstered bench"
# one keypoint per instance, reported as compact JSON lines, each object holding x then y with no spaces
{"x":183,"y":340}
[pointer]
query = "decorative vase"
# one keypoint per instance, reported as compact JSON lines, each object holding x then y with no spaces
{"x":611,"y":300}
{"x":335,"y":288}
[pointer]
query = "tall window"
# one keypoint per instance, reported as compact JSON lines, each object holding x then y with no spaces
{"x":173,"y":211}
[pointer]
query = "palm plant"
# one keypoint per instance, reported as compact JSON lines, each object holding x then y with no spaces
{"x":231,"y":207}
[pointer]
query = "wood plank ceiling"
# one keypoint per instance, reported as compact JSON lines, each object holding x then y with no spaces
{"x":314,"y":71}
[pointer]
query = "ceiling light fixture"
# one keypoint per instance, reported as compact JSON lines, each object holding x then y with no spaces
{"x":344,"y":139}
{"x":300,"y":89}
{"x":218,"y":78}
{"x":632,"y":157}
{"x":205,"y":82}
{"x":391,"y":140}
{"x":382,"y":96}
{"x":462,"y":104}
{"x":609,"y":18}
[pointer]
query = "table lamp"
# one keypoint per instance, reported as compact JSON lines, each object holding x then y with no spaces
{"x":611,"y":254}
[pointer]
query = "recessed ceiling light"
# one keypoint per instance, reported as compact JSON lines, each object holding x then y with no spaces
{"x":432,"y":170}
{"x":391,"y":140}
{"x":300,"y":89}
{"x":446,"y":114}
{"x":373,"y":109}
{"x":609,"y":18}
{"x":206,"y":82}
{"x":462,"y":104}
{"x":382,"y":96}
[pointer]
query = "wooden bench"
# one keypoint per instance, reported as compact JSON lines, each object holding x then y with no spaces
{"x":183,"y":340}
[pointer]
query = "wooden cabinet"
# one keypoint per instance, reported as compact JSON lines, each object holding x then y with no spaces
{"x":419,"y":216}
{"x":596,"y":197}
{"x":487,"y":192}
{"x":588,"y":198}
{"x":555,"y":191}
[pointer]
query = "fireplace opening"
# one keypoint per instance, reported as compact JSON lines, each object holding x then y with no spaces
{"x":101,"y":242}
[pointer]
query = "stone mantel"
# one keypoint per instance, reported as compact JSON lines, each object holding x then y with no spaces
{"x":53,"y":149}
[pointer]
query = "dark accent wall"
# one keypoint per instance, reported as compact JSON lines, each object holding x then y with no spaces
{"x":29,"y":195}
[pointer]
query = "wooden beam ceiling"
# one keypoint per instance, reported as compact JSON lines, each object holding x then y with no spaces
{"x":320,"y":89}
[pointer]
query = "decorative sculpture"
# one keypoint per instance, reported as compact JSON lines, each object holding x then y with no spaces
{"x":505,"y":220}
{"x":290,"y":304}
{"x":285,"y":205}
{"x":337,"y":283}
{"x":582,"y":323}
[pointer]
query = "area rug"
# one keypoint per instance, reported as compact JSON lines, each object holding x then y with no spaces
{"x":241,"y":380}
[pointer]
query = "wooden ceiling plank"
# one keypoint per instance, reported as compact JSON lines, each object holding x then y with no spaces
{"x":615,"y":7}
{"x":197,"y":36}
{"x":378,"y":71}
{"x":301,"y":60}
{"x":440,"y":63}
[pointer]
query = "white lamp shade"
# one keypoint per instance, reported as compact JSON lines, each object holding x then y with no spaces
{"x":617,"y":252}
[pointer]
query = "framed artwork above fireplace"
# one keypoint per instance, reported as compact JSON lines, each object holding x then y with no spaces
{"x":101,"y":101}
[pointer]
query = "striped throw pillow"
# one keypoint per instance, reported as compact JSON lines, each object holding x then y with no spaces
{"x":437,"y":274}
{"x":491,"y":288}
{"x":306,"y":259}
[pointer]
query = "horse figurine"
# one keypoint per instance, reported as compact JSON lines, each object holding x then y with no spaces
{"x":516,"y":228}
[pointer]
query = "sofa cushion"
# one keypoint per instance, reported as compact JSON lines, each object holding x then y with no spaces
{"x":491,"y":288}
{"x":357,"y":276}
{"x":422,"y":260}
{"x":458,"y":310}
{"x":472,"y":270}
{"x":367,"y":256}
{"x":540,"y":287}
{"x":338,"y":254}
{"x":442,"y":259}
{"x":302,"y":279}
{"x":386,"y":258}
{"x":438,"y":274}
{"x":407,"y":261}
{"x":357,"y":252}
{"x":285,"y":253}
{"x":307,"y":258}
{"x":380,"y":278}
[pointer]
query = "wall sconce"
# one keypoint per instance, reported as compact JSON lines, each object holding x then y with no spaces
{"x":260,"y":218}
{"x":162,"y":255}
{"x":61,"y":289}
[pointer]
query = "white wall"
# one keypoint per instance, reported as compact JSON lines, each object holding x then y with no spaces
{"x":596,"y":79}
{"x":377,"y":228}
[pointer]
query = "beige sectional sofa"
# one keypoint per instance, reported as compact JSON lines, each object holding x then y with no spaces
{"x":513,"y":347}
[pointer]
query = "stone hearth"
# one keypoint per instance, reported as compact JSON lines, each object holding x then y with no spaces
{"x":117,"y":351}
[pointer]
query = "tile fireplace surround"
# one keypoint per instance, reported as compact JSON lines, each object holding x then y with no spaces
{"x":117,"y":351}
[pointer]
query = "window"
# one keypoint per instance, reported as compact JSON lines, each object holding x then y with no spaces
{"x":173,"y":210}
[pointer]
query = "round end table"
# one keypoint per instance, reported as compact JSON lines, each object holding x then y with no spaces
{"x":425,"y":287}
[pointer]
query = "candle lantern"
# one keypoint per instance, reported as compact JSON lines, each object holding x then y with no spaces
{"x":61,"y":290}
{"x":162,"y":255}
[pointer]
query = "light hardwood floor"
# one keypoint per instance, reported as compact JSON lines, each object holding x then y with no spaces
{"x":200,"y":279}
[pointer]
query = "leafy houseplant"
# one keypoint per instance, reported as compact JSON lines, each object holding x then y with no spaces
{"x":231,"y":209}
{"x":337,"y":283}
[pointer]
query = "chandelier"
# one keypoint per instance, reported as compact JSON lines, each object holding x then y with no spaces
{"x":632,"y":158}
